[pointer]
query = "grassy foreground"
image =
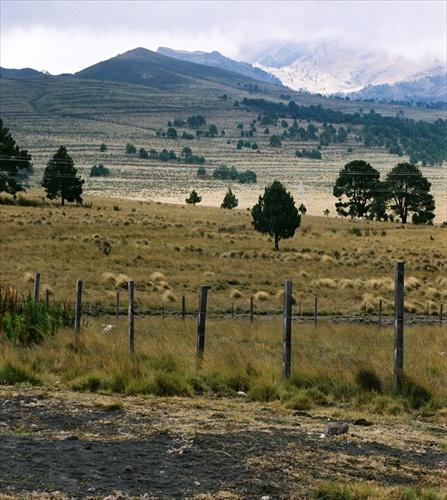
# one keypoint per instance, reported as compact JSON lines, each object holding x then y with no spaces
{"x":339,"y":370}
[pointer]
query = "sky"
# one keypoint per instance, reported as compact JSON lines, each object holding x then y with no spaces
{"x":67,"y":36}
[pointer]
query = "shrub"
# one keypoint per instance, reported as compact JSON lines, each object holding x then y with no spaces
{"x":11,"y":375}
{"x":171,"y":384}
{"x":25,"y":321}
{"x":368,"y":380}
{"x":264,"y":392}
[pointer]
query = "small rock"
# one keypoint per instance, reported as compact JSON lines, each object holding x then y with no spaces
{"x":337,"y":428}
{"x":241,"y":394}
{"x":196,"y":483}
{"x":128,"y":468}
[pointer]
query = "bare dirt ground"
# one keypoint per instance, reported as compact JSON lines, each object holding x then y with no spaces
{"x":56,"y":444}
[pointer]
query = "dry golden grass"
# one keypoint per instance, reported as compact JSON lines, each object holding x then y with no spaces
{"x":168,"y":252}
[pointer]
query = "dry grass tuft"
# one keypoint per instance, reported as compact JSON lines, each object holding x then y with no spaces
{"x":261,"y":296}
{"x":326,"y":283}
{"x":412,"y":283}
{"x":327,"y":259}
{"x":157,"y":276}
{"x":168,"y":296}
{"x":28,"y":277}
{"x":236,"y":294}
{"x":280,"y":297}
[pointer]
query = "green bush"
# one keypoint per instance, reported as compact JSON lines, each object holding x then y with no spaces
{"x":368,"y":380}
{"x":11,"y":375}
{"x":264,"y":392}
{"x":25,"y":321}
{"x":171,"y":384}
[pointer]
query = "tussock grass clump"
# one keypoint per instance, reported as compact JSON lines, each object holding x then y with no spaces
{"x":236,"y":294}
{"x":168,"y":296}
{"x":261,"y":296}
{"x":326,"y":283}
{"x":157,"y":276}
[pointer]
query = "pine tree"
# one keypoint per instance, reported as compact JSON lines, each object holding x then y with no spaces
{"x":193,"y":198}
{"x":60,"y":178}
{"x":230,"y":200}
{"x":14,"y":163}
{"x":276,"y":214}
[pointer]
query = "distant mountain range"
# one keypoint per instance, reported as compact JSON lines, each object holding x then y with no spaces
{"x":327,"y":67}
{"x":333,"y":69}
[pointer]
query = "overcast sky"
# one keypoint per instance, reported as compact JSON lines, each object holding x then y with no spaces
{"x":67,"y":36}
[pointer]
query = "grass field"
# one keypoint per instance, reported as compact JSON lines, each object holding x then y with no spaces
{"x":171,"y":250}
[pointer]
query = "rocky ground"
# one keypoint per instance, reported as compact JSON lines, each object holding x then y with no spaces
{"x":58,"y":445}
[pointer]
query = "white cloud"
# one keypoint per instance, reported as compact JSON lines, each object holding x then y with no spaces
{"x":67,"y":36}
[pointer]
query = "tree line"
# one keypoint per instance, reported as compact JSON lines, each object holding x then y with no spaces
{"x":422,"y":141}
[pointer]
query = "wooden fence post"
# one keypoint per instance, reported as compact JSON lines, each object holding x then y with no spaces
{"x":78,"y":311}
{"x":183,"y":307}
{"x":131,"y":313}
{"x":315,"y":310}
{"x":203,"y":294}
{"x":36,"y":286}
{"x":117,"y":303}
{"x":398,"y":323}
{"x":287,"y":331}
{"x":380,"y":314}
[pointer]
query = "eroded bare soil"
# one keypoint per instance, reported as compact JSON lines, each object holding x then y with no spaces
{"x":56,"y":444}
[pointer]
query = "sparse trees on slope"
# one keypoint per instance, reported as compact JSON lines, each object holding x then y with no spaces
{"x":61,"y":179}
{"x":356,"y":186}
{"x":14,"y":163}
{"x":409,"y":191}
{"x":276,"y":214}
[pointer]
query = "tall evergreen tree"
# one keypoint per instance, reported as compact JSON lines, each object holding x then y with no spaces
{"x":14,"y":163}
{"x":356,"y":186}
{"x":61,"y":178}
{"x":409,"y":191}
{"x":276,"y":214}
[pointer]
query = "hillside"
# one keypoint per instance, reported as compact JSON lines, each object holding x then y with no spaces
{"x":85,"y":110}
{"x":144,"y":67}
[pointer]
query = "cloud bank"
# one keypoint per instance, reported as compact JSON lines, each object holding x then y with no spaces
{"x":68,"y":36}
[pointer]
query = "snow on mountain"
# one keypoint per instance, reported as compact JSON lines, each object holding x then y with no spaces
{"x":329,"y":67}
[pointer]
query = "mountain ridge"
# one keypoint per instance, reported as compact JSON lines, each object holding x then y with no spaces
{"x":328,"y":68}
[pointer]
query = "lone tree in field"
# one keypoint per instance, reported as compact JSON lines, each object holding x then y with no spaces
{"x":276,"y":214}
{"x":193,"y":198}
{"x":14,"y":163}
{"x":230,"y":200}
{"x":356,"y":186}
{"x":61,"y":178}
{"x":408,"y":191}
